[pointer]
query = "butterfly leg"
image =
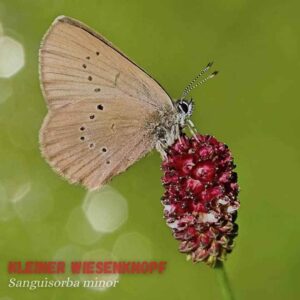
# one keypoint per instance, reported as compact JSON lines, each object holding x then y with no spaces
{"x":178,"y":135}
{"x":160,"y":147}
{"x":192,"y":129}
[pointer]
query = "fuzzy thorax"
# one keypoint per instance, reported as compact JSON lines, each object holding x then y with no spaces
{"x":164,"y":127}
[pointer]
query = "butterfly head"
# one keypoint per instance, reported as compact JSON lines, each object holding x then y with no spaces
{"x":185,"y":108}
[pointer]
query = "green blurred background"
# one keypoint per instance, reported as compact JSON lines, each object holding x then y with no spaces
{"x":253,"y":106}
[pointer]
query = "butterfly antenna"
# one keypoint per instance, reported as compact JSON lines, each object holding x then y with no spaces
{"x":204,"y":70}
{"x":191,"y":87}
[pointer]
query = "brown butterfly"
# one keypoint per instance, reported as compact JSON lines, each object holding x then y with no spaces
{"x":105,"y":112}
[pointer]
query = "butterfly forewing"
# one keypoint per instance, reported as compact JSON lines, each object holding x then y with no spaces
{"x":76,"y":62}
{"x":100,"y":105}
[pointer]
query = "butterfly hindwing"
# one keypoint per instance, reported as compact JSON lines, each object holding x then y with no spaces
{"x":86,"y":147}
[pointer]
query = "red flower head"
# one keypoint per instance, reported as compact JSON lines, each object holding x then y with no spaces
{"x":200,"y":200}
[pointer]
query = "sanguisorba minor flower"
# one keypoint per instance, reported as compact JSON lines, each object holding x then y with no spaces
{"x":200,"y":199}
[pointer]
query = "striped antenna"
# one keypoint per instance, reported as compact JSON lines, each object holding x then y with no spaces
{"x":191,"y":85}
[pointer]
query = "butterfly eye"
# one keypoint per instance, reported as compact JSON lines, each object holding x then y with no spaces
{"x":82,"y":128}
{"x":104,"y":149}
{"x":184,"y":107}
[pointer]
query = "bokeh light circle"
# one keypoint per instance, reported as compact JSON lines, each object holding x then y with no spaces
{"x":12,"y":57}
{"x":106,"y":209}
{"x":133,"y":246}
{"x":79,"y":230}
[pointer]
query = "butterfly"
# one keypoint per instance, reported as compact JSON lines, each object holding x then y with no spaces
{"x":104,"y":111}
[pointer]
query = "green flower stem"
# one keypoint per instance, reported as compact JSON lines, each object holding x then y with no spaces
{"x":224,"y":282}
